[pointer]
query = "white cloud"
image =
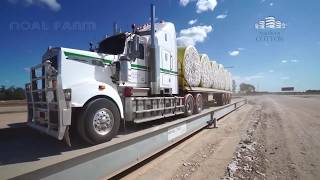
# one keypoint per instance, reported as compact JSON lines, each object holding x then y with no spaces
{"x":221,"y":16}
{"x":206,"y":5}
{"x":271,"y":71}
{"x":52,"y":4}
{"x":193,"y":35}
{"x":201,"y":5}
{"x":241,"y":49}
{"x":249,"y":78}
{"x":271,"y":4}
{"x":184,"y":2}
{"x":26,"y":69}
{"x":292,"y":61}
{"x":234,"y":53}
{"x":192,"y":21}
{"x":236,"y":78}
{"x":285,"y":78}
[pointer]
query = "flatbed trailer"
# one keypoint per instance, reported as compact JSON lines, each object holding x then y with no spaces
{"x":111,"y":158}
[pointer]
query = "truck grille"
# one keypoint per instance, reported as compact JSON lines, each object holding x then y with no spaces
{"x":42,"y":99}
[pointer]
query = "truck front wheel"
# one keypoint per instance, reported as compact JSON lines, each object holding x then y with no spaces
{"x":100,"y":121}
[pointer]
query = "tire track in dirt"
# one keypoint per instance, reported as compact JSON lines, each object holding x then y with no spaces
{"x":263,"y":151}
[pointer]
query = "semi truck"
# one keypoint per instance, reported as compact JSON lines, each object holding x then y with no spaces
{"x":131,"y":77}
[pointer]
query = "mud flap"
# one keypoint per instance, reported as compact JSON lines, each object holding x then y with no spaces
{"x":66,"y":137}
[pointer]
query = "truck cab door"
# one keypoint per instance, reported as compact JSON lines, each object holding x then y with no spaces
{"x":138,"y":71}
{"x":166,"y":68}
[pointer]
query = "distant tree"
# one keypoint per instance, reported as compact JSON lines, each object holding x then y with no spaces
{"x":11,"y":93}
{"x":2,"y":92}
{"x":247,"y":88}
{"x":234,"y":86}
{"x":313,"y":91}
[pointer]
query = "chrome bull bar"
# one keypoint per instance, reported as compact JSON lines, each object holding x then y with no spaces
{"x":48,"y":110}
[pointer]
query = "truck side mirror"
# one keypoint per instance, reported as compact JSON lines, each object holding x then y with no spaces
{"x":135,"y":43}
{"x":134,"y":48}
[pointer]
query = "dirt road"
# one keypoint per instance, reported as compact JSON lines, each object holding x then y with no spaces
{"x":273,"y":137}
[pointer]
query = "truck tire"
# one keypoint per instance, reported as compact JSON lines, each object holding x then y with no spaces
{"x":100,"y":121}
{"x":188,"y":105}
{"x":219,"y":98}
{"x":224,"y":99}
{"x":229,"y":98}
{"x":198,"y":103}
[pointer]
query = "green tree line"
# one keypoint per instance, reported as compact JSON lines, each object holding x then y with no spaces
{"x":11,"y":93}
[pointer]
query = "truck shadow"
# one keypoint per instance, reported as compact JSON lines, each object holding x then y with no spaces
{"x":19,"y":143}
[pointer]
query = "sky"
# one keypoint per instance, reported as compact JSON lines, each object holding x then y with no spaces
{"x":224,"y":29}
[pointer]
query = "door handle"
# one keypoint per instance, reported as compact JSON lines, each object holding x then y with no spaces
{"x":171,"y":62}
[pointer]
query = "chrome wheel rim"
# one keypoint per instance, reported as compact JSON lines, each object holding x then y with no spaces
{"x":189,"y":106}
{"x":199,"y":103}
{"x":103,"y":121}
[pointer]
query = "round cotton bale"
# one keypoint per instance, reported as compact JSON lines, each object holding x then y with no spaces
{"x":220,"y":76}
{"x":214,"y":74}
{"x":230,"y":81}
{"x":205,"y":71}
{"x":189,"y":66}
{"x":225,"y":79}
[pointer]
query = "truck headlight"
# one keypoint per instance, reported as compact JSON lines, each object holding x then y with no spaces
{"x":67,"y":94}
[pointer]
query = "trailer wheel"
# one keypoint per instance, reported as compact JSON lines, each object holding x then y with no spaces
{"x":100,"y":121}
{"x":229,"y":99}
{"x":198,"y":103}
{"x":188,"y":104}
{"x":219,"y":98}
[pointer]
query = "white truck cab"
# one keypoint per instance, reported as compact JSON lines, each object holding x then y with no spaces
{"x":124,"y":79}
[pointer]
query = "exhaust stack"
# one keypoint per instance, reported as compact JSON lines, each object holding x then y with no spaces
{"x":115,"y":28}
{"x":154,"y":73}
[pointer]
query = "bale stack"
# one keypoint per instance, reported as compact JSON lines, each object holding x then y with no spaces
{"x":198,"y":71}
{"x":189,"y":66}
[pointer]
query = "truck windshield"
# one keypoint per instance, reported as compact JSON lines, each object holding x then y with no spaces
{"x":113,"y":45}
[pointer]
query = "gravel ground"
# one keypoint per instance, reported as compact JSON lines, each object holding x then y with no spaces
{"x":272,"y":137}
